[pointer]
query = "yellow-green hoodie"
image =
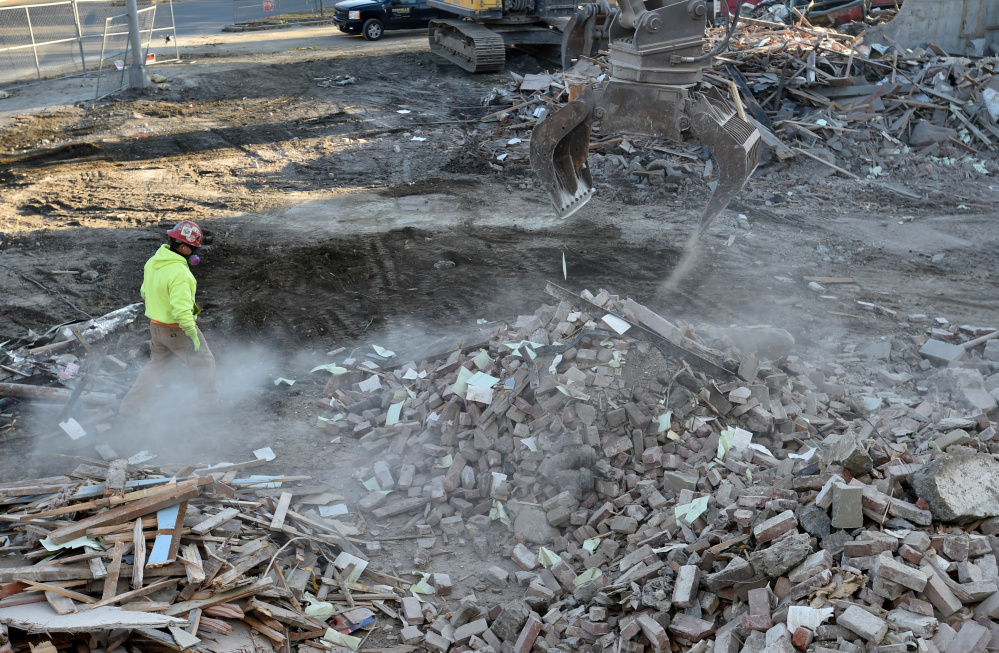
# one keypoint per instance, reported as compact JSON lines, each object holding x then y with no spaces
{"x":168,"y":289}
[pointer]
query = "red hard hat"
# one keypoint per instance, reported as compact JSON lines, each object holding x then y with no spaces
{"x":188,"y":232}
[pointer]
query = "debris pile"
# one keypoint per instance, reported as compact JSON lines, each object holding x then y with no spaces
{"x":652,"y":486}
{"x":864,"y":111}
{"x":122,"y":554}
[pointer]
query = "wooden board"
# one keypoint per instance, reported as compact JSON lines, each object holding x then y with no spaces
{"x":217,"y":519}
{"x":61,"y":604}
{"x":114,"y":570}
{"x":169,"y":525}
{"x":195,"y":566}
{"x":281,"y":511}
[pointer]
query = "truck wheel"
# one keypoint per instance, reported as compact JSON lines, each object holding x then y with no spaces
{"x":373,"y":29}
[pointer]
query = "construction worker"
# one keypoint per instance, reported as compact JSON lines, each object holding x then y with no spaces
{"x":168,"y":289}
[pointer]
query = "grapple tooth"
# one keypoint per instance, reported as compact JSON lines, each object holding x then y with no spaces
{"x":559,"y":147}
{"x":735,"y":144}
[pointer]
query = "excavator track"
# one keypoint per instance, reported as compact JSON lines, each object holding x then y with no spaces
{"x":474,"y":47}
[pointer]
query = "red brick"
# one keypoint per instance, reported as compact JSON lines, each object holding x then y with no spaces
{"x":528,"y":634}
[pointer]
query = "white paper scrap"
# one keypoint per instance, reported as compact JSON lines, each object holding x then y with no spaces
{"x":411,"y":374}
{"x":73,"y":429}
{"x":800,"y":616}
{"x":616,"y":323}
{"x":479,"y":394}
{"x":335,"y":510}
{"x":381,"y":351}
{"x":482,"y":380}
{"x":419,"y":138}
{"x":370,"y":385}
{"x":404,"y":111}
{"x":279,"y":381}
{"x":345,"y":559}
{"x":265,"y":454}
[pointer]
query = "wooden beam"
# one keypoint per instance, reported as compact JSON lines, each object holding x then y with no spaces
{"x":166,"y":496}
{"x":242,"y":566}
{"x":25,"y":391}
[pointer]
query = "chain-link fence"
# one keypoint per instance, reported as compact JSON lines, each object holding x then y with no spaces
{"x":115,"y":56}
{"x":68,"y":36}
{"x":263,"y":11}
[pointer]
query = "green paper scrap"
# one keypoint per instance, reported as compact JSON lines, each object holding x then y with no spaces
{"x":587,"y":576}
{"x":332,"y":368}
{"x":482,"y":380}
{"x":394,"y":411}
{"x":482,"y":320}
{"x":445,"y":462}
{"x":72,"y":544}
{"x":569,"y":391}
{"x":565,"y":271}
{"x":499,"y":512}
{"x":422,"y":587}
{"x":317,"y":608}
{"x":460,"y":386}
{"x":515,"y":346}
{"x":482,"y":359}
{"x":381,"y":351}
{"x":336,"y":638}
{"x":691,"y":511}
{"x":285,"y":381}
{"x":547,"y":557}
{"x":591,"y":544}
{"x":372,"y":485}
{"x":665,"y":421}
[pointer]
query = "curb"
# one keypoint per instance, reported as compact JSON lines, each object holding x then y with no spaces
{"x":260,"y":28}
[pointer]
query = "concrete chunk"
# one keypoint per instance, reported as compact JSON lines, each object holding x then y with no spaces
{"x":941,"y":353}
{"x":959,"y":488}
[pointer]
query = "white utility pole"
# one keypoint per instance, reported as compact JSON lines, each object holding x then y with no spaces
{"x":137,"y":73}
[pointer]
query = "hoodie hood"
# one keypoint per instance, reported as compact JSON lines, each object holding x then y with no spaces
{"x":164,"y":257}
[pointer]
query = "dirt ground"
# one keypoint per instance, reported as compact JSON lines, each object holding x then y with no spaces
{"x":335,"y":227}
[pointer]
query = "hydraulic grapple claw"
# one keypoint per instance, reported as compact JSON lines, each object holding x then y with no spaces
{"x":559,"y":147}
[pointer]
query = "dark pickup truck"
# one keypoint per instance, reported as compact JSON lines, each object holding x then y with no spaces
{"x":370,"y":18}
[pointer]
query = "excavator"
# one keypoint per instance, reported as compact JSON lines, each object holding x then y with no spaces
{"x":477,"y":37}
{"x":657,"y":61}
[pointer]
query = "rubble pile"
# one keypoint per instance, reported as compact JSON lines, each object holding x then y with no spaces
{"x":864,"y":111}
{"x":654,"y":487}
{"x":119,"y":554}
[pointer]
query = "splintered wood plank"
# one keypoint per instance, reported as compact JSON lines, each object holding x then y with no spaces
{"x":193,"y":564}
{"x":139,"y":550}
{"x":117,"y":475}
{"x":62,"y":591}
{"x":269,"y":633}
{"x":167,"y":496}
{"x":183,"y":607}
{"x":134,"y":594}
{"x":61,"y":604}
{"x":114,"y":569}
{"x":242,"y":566}
{"x":281,"y":511}
{"x":215,"y":520}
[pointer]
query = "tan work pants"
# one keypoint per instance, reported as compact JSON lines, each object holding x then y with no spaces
{"x":168,"y":342}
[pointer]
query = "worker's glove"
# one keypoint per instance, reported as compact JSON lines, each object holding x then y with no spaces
{"x":195,"y":346}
